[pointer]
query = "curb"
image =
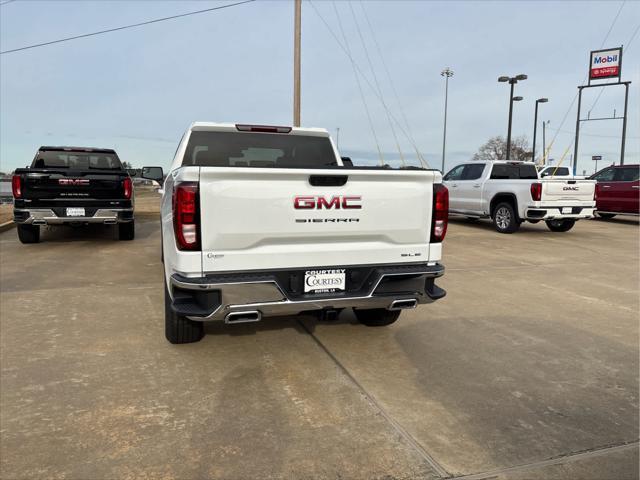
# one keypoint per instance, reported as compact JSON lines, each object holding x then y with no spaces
{"x":7,"y":225}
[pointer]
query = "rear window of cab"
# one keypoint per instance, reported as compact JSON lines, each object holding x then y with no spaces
{"x":262,"y":150}
{"x":509,"y":171}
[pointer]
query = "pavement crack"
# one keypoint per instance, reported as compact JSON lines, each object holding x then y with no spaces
{"x":426,"y":456}
{"x":558,"y":460}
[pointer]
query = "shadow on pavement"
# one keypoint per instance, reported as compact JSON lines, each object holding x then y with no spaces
{"x":94,"y":233}
{"x":295,"y":322}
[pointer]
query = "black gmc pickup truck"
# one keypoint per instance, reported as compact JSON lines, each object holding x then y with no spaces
{"x":73,"y":186}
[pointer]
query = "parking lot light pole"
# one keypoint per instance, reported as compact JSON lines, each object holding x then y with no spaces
{"x":446,"y":73}
{"x":535,"y":127}
{"x":512,"y":81}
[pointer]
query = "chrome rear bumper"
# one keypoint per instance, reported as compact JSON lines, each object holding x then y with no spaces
{"x":46,"y":216}
{"x":198,"y":299}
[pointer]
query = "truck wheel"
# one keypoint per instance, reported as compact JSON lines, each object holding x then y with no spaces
{"x":504,"y":218}
{"x":376,"y":317}
{"x":127,"y":231}
{"x":606,"y":215}
{"x":560,"y":225}
{"x":179,"y":329}
{"x":29,"y":233}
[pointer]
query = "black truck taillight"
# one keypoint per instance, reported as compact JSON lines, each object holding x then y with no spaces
{"x":536,"y":191}
{"x":16,"y":186}
{"x":127,"y":187}
{"x":440,"y":213}
{"x":186,"y":216}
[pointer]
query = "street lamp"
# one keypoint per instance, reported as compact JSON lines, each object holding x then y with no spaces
{"x":535,"y":127}
{"x":512,"y":81}
{"x":446,"y":73}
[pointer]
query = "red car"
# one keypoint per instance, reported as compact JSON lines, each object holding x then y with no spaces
{"x":617,"y":191}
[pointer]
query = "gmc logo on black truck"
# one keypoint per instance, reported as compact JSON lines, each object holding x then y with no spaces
{"x":317,"y":202}
{"x":73,"y":181}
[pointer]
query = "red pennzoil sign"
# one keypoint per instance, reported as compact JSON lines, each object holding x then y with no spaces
{"x":605,"y":63}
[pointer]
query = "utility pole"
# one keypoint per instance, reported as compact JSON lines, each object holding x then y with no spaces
{"x":446,"y":73}
{"x":544,"y":142}
{"x":296,"y":62}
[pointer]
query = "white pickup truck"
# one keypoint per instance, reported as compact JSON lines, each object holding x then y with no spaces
{"x":260,"y":221}
{"x":510,"y":193}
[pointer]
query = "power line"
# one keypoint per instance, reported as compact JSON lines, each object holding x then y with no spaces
{"x":628,"y":44}
{"x":384,"y":64}
{"x":422,"y":160}
{"x":589,"y":134}
{"x":355,"y":72}
{"x":575,"y":97}
{"x":6,"y":1}
{"x":375,"y":80}
{"x":124,"y":27}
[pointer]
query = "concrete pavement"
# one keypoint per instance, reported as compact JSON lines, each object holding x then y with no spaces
{"x":527,"y":369}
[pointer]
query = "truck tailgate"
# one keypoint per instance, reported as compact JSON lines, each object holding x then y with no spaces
{"x":268,"y":218}
{"x":567,"y":191}
{"x":64,"y":184}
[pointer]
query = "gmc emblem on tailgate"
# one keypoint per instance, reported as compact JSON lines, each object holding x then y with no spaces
{"x":318,"y":202}
{"x":73,"y":181}
{"x":575,"y":189}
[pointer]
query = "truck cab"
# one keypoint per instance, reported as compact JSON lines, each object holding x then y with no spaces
{"x":73,"y":186}
{"x":262,"y":220}
{"x":511,"y":193}
{"x":617,"y":190}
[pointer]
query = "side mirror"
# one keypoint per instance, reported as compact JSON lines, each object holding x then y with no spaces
{"x":153,"y":173}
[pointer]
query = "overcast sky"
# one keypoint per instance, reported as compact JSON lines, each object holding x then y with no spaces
{"x":137,"y":90}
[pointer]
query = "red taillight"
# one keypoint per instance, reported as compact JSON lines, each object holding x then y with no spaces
{"x":127,"y":188}
{"x":16,"y":186}
{"x":440,"y":213}
{"x":186,"y":216}
{"x":536,"y":191}
{"x":596,"y":191}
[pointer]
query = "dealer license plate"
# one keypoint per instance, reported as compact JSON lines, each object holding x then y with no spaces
{"x":75,"y":212}
{"x":566,"y":209}
{"x":324,"y":281}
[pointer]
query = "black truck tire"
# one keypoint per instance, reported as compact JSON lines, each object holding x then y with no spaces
{"x":29,"y":233}
{"x":504,"y":218}
{"x":179,"y":329}
{"x":560,"y":225}
{"x":127,"y":231}
{"x":376,"y":317}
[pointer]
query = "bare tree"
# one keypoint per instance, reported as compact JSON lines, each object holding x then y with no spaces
{"x":496,"y":149}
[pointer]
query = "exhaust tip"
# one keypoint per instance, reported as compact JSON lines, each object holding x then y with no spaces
{"x":243,"y":317}
{"x":403,"y":304}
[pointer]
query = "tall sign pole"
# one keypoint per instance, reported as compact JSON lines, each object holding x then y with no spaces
{"x":604,"y":64}
{"x":296,"y":63}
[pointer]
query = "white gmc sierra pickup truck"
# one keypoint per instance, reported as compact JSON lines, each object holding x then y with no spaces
{"x":510,"y":193}
{"x":260,"y":221}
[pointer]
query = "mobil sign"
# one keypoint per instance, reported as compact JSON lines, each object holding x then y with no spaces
{"x":605,"y":63}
